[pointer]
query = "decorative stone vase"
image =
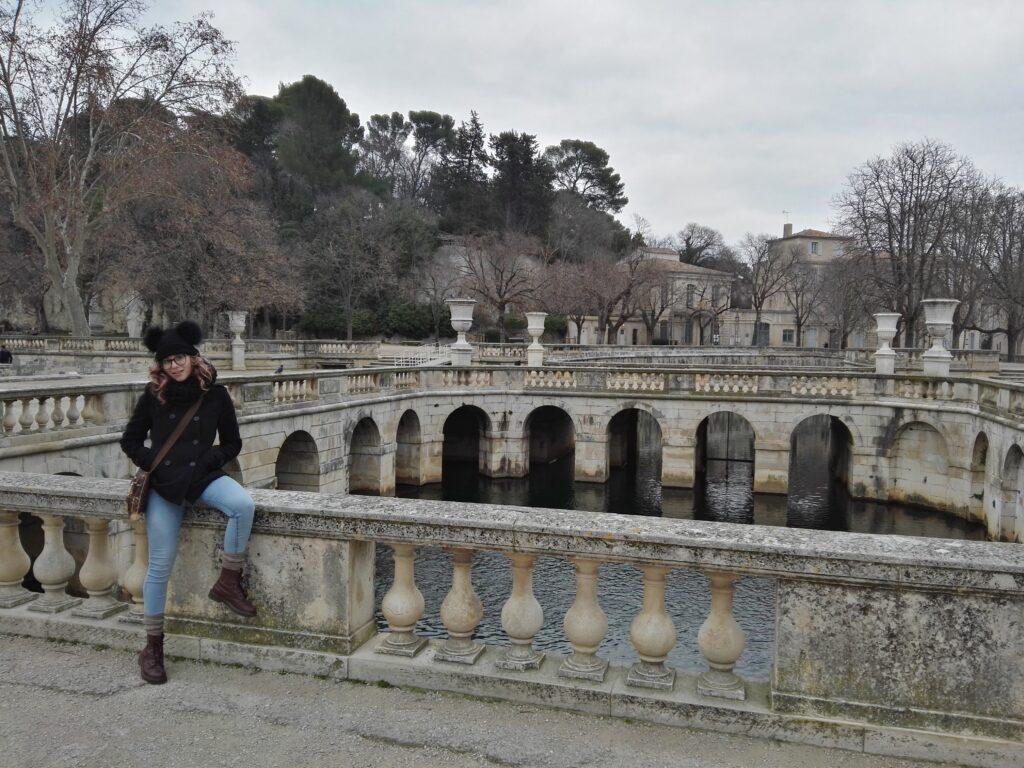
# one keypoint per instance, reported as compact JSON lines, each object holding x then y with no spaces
{"x":885,"y":329}
{"x":938,"y":317}
{"x":535,"y":327}
{"x":236,"y":322}
{"x":462,"y":321}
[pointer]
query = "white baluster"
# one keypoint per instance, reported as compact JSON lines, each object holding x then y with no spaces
{"x":585,"y":626}
{"x":14,"y":563}
{"x":57,"y":414}
{"x":25,"y":420}
{"x":461,"y":612}
{"x":653,"y":634}
{"x":73,"y":413}
{"x":9,"y":421}
{"x":135,"y":576}
{"x":53,"y":569}
{"x":92,"y":412}
{"x":43,"y":413}
{"x":402,"y":606}
{"x":521,"y":617}
{"x":98,"y":574}
{"x":721,"y":641}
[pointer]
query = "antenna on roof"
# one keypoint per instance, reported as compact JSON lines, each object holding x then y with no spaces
{"x":786,"y":214}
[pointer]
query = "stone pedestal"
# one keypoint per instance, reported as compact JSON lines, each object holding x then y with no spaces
{"x":535,"y":327}
{"x":885,"y":358}
{"x":938,"y":317}
{"x":236,"y":322}
{"x":462,"y":321}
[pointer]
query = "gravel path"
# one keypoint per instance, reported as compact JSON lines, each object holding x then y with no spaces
{"x":75,"y":705}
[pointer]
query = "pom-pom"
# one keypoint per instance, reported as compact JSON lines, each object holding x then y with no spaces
{"x":152,"y":338}
{"x":190,"y":332}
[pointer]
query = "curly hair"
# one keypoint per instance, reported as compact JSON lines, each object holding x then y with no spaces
{"x":202,"y":369}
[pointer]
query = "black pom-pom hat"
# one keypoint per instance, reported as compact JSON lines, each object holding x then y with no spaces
{"x":179,"y":340}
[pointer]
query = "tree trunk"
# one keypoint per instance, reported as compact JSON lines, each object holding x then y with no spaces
{"x":799,"y":334}
{"x":1012,"y":336}
{"x":501,"y":323}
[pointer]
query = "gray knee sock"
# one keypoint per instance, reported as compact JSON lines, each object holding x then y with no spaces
{"x":233,"y":561}
{"x":154,"y":624}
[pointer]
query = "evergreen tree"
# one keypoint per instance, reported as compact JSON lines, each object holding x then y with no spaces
{"x":459,"y":186}
{"x":522,"y":185}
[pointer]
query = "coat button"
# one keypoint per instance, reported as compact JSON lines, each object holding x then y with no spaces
{"x":195,"y":418}
{"x":195,"y":442}
{"x":167,"y":463}
{"x":171,"y":416}
{"x":191,"y":463}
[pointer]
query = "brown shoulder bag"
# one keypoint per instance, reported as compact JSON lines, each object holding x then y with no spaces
{"x":138,"y":492}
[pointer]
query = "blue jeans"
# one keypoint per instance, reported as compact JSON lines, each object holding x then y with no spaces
{"x":163,"y":521}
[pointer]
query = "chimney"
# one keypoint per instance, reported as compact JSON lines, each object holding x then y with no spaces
{"x":787,"y":230}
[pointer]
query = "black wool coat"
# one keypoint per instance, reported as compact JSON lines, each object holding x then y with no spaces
{"x":194,"y":461}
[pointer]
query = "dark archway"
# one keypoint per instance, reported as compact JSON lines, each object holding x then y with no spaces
{"x":298,"y":464}
{"x":464,"y":454}
{"x":820,"y":449}
{"x":634,"y":461}
{"x":364,"y":458}
{"x":979,"y":462}
{"x":1010,"y":488}
{"x":551,"y":447}
{"x":408,"y":450}
{"x":724,"y":468}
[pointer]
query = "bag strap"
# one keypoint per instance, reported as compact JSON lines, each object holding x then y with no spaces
{"x":177,"y":432}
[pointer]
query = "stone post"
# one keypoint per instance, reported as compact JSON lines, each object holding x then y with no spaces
{"x":53,"y":569}
{"x":585,"y":626}
{"x":653,"y":634}
{"x":402,"y":606}
{"x":885,"y":329}
{"x":535,"y":327}
{"x":721,"y":641}
{"x":14,"y":563}
{"x":938,"y":317}
{"x":98,"y":575}
{"x":521,"y":617}
{"x":236,"y":322}
{"x":135,"y":576}
{"x":461,"y":612}
{"x":462,"y":321}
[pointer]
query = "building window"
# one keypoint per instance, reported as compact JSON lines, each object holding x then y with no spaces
{"x":788,"y":336}
{"x":635,"y":333}
{"x":815,"y":247}
{"x":715,"y":293}
{"x":690,"y":291}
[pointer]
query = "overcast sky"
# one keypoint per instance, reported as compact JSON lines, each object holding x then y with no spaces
{"x":726,"y":113}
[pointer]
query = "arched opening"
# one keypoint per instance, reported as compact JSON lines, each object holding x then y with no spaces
{"x":298,"y":464}
{"x":407,"y":453}
{"x":819,"y":473}
{"x":724,"y":469}
{"x":634,"y":462}
{"x":979,"y":462}
{"x":1010,"y":486}
{"x":464,"y":454}
{"x":919,"y":466}
{"x":364,"y":458}
{"x":551,"y":447}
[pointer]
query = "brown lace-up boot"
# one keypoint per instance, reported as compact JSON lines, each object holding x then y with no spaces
{"x":151,"y":660}
{"x":228,"y":589}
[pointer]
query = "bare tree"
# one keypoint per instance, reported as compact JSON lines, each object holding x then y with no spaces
{"x":769,"y":269}
{"x":805,"y":291}
{"x":1004,"y":265}
{"x":659,"y":294}
{"x":500,"y":271}
{"x":82,"y":104}
{"x":435,"y":278}
{"x":843,"y":303}
{"x":697,"y":243}
{"x":961,"y":273}
{"x":711,"y":300}
{"x":898,"y":210}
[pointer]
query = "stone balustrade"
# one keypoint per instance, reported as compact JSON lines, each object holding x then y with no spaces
{"x":882,"y":643}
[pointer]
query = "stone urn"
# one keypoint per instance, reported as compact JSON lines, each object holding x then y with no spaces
{"x":535,"y":327}
{"x":236,"y":323}
{"x":938,"y":317}
{"x":885,"y":328}
{"x":462,"y":321}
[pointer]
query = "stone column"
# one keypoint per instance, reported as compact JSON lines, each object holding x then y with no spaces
{"x":53,"y":569}
{"x":462,"y":321}
{"x":938,"y":317}
{"x":721,"y":641}
{"x":653,"y":634}
{"x":135,"y":576}
{"x":461,"y":612}
{"x":98,"y":575}
{"x":14,"y":563}
{"x":885,"y":329}
{"x":402,"y":606}
{"x":521,"y":617}
{"x":677,"y":461}
{"x":585,"y":626}
{"x":535,"y":327}
{"x":236,"y":322}
{"x":591,"y":458}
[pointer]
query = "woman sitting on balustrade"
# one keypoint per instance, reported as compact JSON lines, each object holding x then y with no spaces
{"x":191,"y":471}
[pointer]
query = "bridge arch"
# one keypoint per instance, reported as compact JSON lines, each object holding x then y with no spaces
{"x":919,"y":466}
{"x":1010,"y":488}
{"x":549,"y":433}
{"x":979,"y":473}
{"x":364,"y":458}
{"x":465,"y":432}
{"x":298,"y":463}
{"x":409,"y":451}
{"x":821,"y":441}
{"x":724,"y":467}
{"x":631,"y":432}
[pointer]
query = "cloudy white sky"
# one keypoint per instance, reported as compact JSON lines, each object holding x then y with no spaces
{"x":725,"y":112}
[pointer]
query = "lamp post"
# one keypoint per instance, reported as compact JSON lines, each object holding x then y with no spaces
{"x":535,"y":327}
{"x":885,"y":329}
{"x":462,"y":321}
{"x":938,"y":317}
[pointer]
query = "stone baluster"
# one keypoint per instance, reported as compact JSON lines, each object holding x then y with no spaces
{"x":14,"y":563}
{"x":43,"y":413}
{"x":25,"y":420}
{"x":92,"y":413}
{"x":10,"y":422}
{"x":461,"y":612}
{"x":57,"y":414}
{"x":135,"y":576}
{"x":721,"y":641}
{"x":521,"y":617}
{"x":402,"y":606}
{"x":98,"y":574}
{"x":73,"y":413}
{"x":653,"y":634}
{"x":54,"y":568}
{"x":585,"y":626}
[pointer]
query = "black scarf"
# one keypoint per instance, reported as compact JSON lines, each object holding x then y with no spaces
{"x":187,"y":391}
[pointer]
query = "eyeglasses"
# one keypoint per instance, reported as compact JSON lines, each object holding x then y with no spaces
{"x":170,"y":360}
